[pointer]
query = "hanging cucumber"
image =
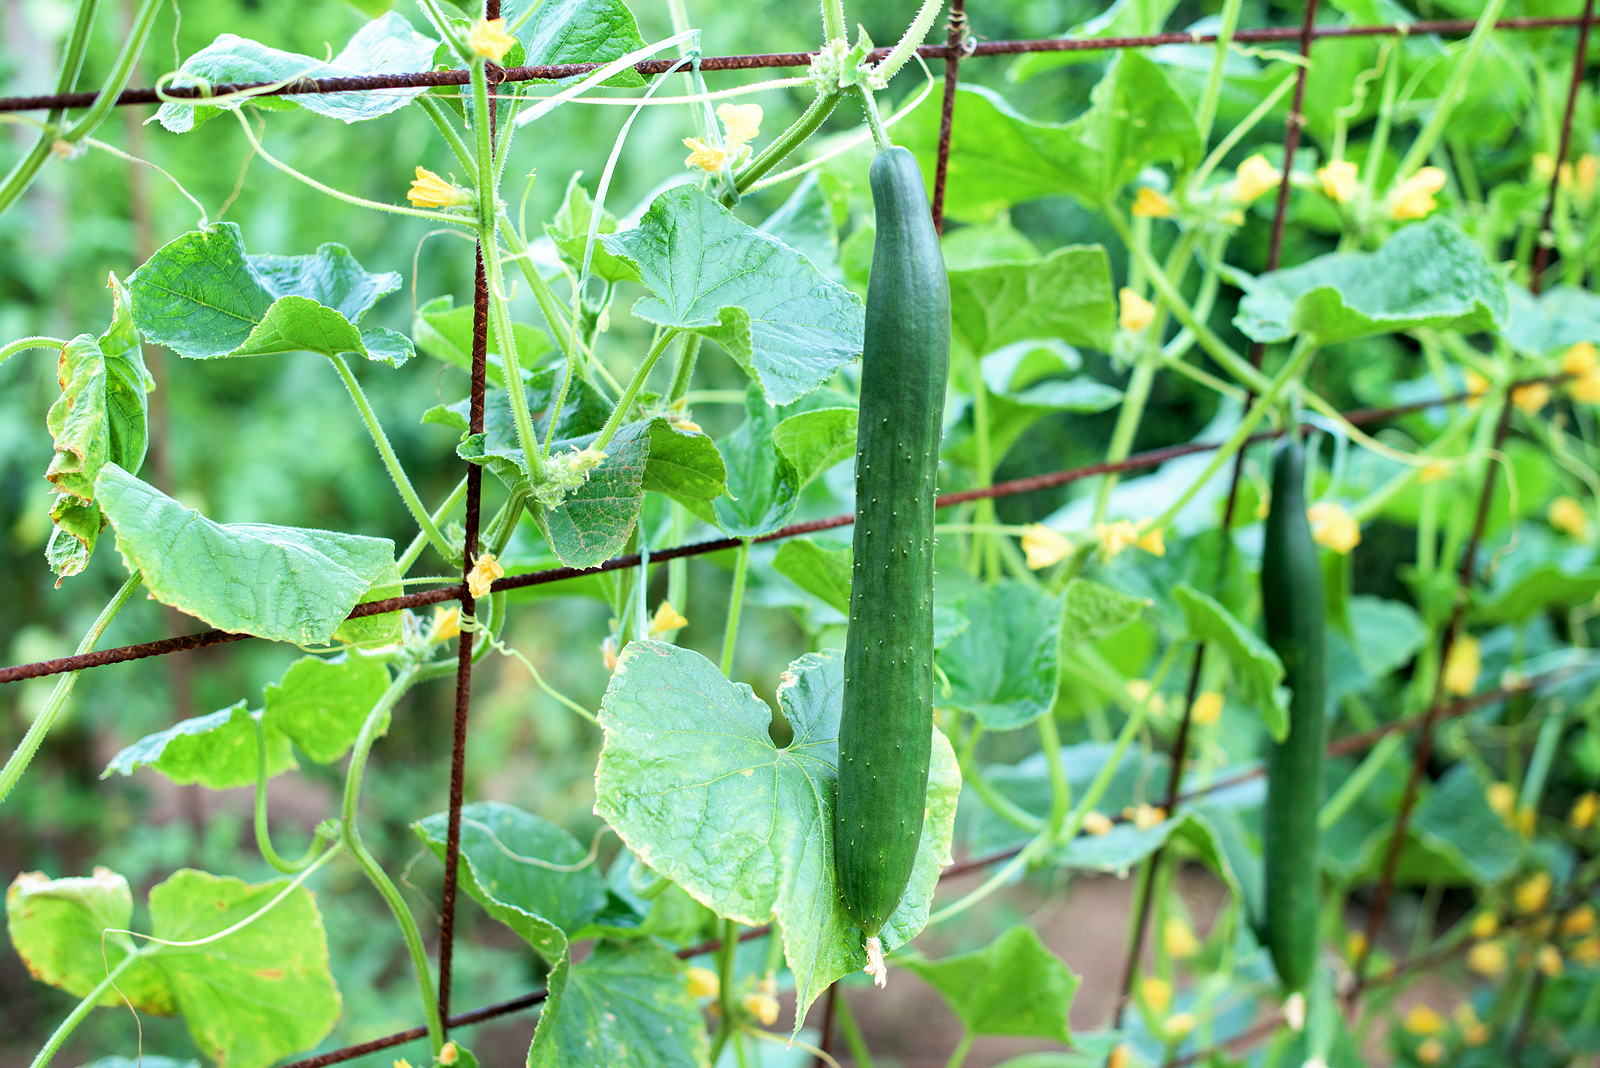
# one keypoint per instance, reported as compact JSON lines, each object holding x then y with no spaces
{"x":1292,"y":602}
{"x":885,"y":735}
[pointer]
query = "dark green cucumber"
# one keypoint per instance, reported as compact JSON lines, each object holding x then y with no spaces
{"x":886,"y":732}
{"x":1292,"y":602}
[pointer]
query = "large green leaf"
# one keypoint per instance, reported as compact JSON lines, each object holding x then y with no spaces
{"x":816,"y":440}
{"x":1455,"y":820}
{"x":1090,"y":611}
{"x":525,"y":871}
{"x":570,"y":231}
{"x":320,"y":704}
{"x":285,"y":583}
{"x":219,"y":751}
{"x":1256,"y":668}
{"x":691,"y":780}
{"x":1539,"y":589}
{"x":763,"y":485}
{"x":386,"y":45}
{"x":70,"y":932}
{"x":1067,"y":295}
{"x":100,"y":417}
{"x":577,"y":31}
{"x":1000,"y":157}
{"x":823,"y":573}
{"x":202,"y":296}
{"x":1012,"y":986}
{"x":594,"y":521}
{"x":1562,"y":315}
{"x":1002,"y":667}
{"x":785,"y":323}
{"x":809,"y":221}
{"x":1427,"y":275}
{"x":626,"y":1006}
{"x":255,"y":995}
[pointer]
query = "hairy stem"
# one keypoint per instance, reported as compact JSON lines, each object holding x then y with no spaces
{"x":730,"y":632}
{"x":619,"y":414}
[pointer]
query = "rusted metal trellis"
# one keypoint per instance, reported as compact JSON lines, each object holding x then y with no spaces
{"x":958,"y":45}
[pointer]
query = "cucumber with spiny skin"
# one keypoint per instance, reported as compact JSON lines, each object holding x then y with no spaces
{"x":1292,"y":604}
{"x":886,"y":729}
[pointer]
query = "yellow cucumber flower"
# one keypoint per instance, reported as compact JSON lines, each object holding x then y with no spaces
{"x":667,"y":618}
{"x":428,"y":190}
{"x":483,"y":573}
{"x":703,"y":983}
{"x":1340,"y":180}
{"x":762,"y":1006}
{"x":1207,"y":707}
{"x":1424,"y":1020}
{"x":1149,"y":204}
{"x":1462,"y":668}
{"x":1484,"y":925}
{"x":1586,"y":387}
{"x":1156,"y":993}
{"x":1532,"y":893}
{"x":702,"y":155}
{"x":1488,"y":959}
{"x":488,"y":38}
{"x":1178,"y":939}
{"x":1568,"y":516}
{"x":1333,"y":528}
{"x":1043,"y":546}
{"x":1587,"y":170}
{"x":1502,"y":799}
{"x":1179,"y":1024}
{"x":1549,"y":960}
{"x":1144,"y":816}
{"x":1584,"y":811}
{"x":1254,"y":177}
{"x":1431,"y":1051}
{"x":1413,"y":198}
{"x":1137,"y":313}
{"x":1579,"y":921}
{"x":1097,"y":823}
{"x":742,"y":122}
{"x":1531,"y":398}
{"x":446,"y":623}
{"x":1580,"y":358}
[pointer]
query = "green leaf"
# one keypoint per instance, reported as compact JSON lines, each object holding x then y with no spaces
{"x":69,"y":934}
{"x":594,"y":522}
{"x":1562,"y":315}
{"x":577,"y":31}
{"x":570,"y":233}
{"x":809,"y":221}
{"x":1011,"y":414}
{"x":1386,"y":634}
{"x":685,"y":465}
{"x":1454,"y":820}
{"x":1429,"y":274}
{"x":511,"y":864}
{"x":785,"y":323}
{"x":1012,"y":986}
{"x":1124,"y":18}
{"x":763,"y":485}
{"x":202,"y":297}
{"x":1002,"y":667}
{"x":144,"y":1061}
{"x":387,"y":45}
{"x":816,"y":440}
{"x":320,"y":704}
{"x":1546,"y":586}
{"x":823,"y":573}
{"x":1090,"y":611}
{"x":1067,"y":295}
{"x":285,"y":583}
{"x":691,"y":780}
{"x":444,"y":332}
{"x":258,"y":994}
{"x":101,"y":417}
{"x":583,"y":413}
{"x":1125,"y":845}
{"x":626,"y":1006}
{"x":218,"y":751}
{"x":370,"y":632}
{"x":1256,"y":668}
{"x":1000,"y":157}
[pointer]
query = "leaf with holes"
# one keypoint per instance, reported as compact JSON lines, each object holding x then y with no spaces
{"x":219,"y":751}
{"x":203,"y":297}
{"x":289,"y":584}
{"x":691,"y":780}
{"x":785,"y":323}
{"x":386,"y":45}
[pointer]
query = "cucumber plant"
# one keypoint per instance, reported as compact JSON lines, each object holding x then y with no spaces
{"x":706,"y":795}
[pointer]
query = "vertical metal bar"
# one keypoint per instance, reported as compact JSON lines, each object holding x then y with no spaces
{"x":1580,"y":56}
{"x":1419,"y":764}
{"x":955,"y":45}
{"x":1180,"y":746}
{"x":458,"y":748}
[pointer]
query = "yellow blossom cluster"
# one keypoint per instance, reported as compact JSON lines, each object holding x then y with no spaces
{"x":1116,"y":536}
{"x":428,"y":190}
{"x":1583,"y":363}
{"x":1414,"y":197}
{"x":741,"y":124}
{"x":1340,"y":180}
{"x":1136,"y":312}
{"x":1332,"y":527}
